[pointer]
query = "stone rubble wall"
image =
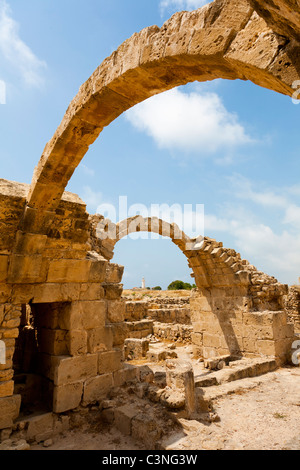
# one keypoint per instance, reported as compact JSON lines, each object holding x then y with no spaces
{"x":75,"y":298}
{"x":292,"y":307}
{"x":169,"y":318}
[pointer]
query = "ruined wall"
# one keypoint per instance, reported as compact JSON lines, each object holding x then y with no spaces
{"x":228,"y":289}
{"x":75,"y":300}
{"x":292,"y":307}
{"x":225,"y":323}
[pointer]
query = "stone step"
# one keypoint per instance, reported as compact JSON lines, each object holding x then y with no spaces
{"x":237,"y":370}
{"x":171,"y":315}
{"x":211,"y":394}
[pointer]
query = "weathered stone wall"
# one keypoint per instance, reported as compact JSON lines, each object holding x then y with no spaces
{"x":75,"y":300}
{"x":229,"y":287}
{"x":225,"y":323}
{"x":292,"y":307}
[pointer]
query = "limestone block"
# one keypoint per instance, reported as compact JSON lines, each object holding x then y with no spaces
{"x":211,"y":340}
{"x":91,"y":291}
{"x":6,"y":375}
{"x":212,"y":352}
{"x":47,"y":293}
{"x":146,"y":429}
{"x":10,"y":334}
{"x":29,"y":243}
{"x":69,"y":271}
{"x":97,"y":388}
{"x":100,"y":340}
{"x":5,"y":293}
{"x":34,"y":219}
{"x":27,"y":269}
{"x":119,"y":378}
{"x":113,"y":291}
{"x":136,"y":310}
{"x":259,"y":319}
{"x":98,"y":271}
{"x":109,"y":361}
{"x":39,"y":427}
{"x":115,"y":311}
{"x":83,"y":315}
{"x":120,"y":332}
{"x":67,"y":397}
{"x":67,"y":370}
{"x":129,"y":373}
{"x":9,"y":410}
{"x":77,"y":342}
{"x":266,"y":347}
{"x":136,"y":348}
{"x":283,"y":347}
{"x":250,"y":345}
{"x":61,"y":424}
{"x":3,"y":268}
{"x":123,"y":418}
{"x":6,"y":389}
{"x":93,"y":314}
{"x":114,"y":273}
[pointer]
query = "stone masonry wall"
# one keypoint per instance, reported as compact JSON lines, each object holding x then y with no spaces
{"x":292,"y":307}
{"x":76,"y":303}
{"x":225,"y":323}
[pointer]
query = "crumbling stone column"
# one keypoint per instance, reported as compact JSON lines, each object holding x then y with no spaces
{"x":180,"y":379}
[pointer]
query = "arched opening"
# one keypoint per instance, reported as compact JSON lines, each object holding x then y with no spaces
{"x":231,"y":293}
{"x":152,"y":311}
{"x":226,"y":285}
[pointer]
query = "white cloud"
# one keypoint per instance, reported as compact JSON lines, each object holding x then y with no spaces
{"x":86,"y":170}
{"x":268,"y":198}
{"x":275,"y":250}
{"x":92,"y":198}
{"x":193,"y":122}
{"x":181,"y":4}
{"x":15,"y":51}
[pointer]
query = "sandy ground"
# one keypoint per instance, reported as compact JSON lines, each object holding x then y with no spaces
{"x":262,"y":414}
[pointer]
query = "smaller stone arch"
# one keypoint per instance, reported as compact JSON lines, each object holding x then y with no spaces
{"x":236,"y":309}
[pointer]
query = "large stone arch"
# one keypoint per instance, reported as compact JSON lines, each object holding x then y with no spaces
{"x":233,"y":300}
{"x":225,"y":39}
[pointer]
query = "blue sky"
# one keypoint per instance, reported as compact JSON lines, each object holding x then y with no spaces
{"x":231,"y":146}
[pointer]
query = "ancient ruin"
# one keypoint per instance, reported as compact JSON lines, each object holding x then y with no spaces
{"x":66,"y":329}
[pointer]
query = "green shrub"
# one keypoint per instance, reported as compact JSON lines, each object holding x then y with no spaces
{"x":180,"y":285}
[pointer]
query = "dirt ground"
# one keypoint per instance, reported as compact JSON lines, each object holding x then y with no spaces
{"x":261,"y":413}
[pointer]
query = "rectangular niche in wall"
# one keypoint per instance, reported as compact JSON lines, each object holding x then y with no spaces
{"x":40,"y":340}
